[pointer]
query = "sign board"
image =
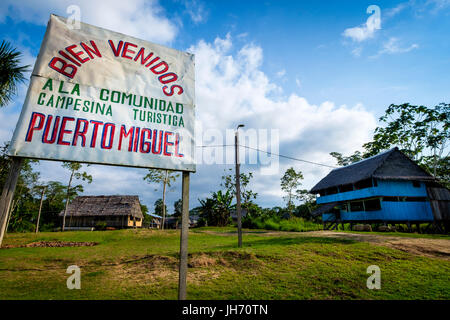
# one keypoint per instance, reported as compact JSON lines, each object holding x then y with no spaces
{"x":99,"y":96}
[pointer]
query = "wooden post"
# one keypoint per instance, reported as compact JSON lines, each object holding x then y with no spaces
{"x":40,"y":209}
{"x":8,"y":194}
{"x":184,"y":237}
{"x":11,"y":209}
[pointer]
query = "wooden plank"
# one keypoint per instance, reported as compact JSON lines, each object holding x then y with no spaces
{"x":8,"y":194}
{"x":184,"y":238}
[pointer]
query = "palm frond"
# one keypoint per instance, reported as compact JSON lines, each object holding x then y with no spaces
{"x":11,"y":73}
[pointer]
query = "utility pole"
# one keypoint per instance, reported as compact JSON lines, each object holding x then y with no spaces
{"x":164,"y":198}
{"x":238,"y":186}
{"x":40,"y":208}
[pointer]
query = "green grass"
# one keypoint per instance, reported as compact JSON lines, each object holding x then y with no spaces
{"x":143,"y":264}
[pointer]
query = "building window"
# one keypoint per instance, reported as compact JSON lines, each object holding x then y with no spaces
{"x":416,"y":184}
{"x":372,"y":205}
{"x":344,"y":207}
{"x":390,"y":199}
{"x":356,"y":206}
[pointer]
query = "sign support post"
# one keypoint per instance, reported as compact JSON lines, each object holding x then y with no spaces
{"x":184,"y":237}
{"x":40,"y":209}
{"x":8,"y":194}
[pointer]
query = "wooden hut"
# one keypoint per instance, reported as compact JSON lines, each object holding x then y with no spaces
{"x":388,"y":188}
{"x":114,"y":211}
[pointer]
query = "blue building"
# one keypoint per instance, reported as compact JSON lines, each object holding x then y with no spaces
{"x":388,"y":188}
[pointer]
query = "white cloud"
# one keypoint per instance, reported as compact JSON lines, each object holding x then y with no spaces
{"x":232,"y":89}
{"x":196,"y":11}
{"x":366,"y":30}
{"x":281,"y":73}
{"x":392,"y":46}
{"x":139,"y":18}
{"x":357,"y":51}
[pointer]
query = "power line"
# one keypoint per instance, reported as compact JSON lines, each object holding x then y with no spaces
{"x":270,"y":153}
{"x":291,"y":158}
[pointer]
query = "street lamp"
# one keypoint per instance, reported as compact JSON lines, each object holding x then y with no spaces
{"x":238,"y":187}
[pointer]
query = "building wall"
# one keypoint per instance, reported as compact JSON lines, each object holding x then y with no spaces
{"x":131,"y":222}
{"x":91,"y":221}
{"x":390,"y":211}
{"x":384,"y":188}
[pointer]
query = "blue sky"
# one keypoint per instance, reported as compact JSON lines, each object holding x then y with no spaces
{"x":321,"y":72}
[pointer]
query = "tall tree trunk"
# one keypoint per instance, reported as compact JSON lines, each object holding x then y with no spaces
{"x":67,"y":202}
{"x":164,"y":200}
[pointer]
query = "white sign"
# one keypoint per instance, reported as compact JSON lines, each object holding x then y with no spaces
{"x":99,"y":96}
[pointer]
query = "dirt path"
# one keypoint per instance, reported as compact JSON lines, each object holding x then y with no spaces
{"x":434,"y":248}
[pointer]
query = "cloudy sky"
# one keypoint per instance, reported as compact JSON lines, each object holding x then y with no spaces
{"x":318,"y":73}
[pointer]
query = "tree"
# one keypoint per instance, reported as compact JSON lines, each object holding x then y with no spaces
{"x":420,"y":132}
{"x":164,"y":177}
{"x":11,"y":74}
{"x":146,"y":221}
{"x":178,"y":208}
{"x":23,"y":204}
{"x":54,"y":203}
{"x":309,"y":202}
{"x":159,"y":209}
{"x":215,"y":211}
{"x":345,"y":161}
{"x":222,"y":207}
{"x":290,"y":182}
{"x":75,"y":173}
{"x":247,"y":195}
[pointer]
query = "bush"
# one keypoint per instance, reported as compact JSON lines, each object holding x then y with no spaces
{"x":101,"y":225}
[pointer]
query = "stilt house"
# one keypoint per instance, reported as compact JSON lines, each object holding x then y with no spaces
{"x":388,"y":188}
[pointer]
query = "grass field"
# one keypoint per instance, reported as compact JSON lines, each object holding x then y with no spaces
{"x":143,"y":264}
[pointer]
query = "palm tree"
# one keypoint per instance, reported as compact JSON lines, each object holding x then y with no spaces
{"x":222,"y":207}
{"x":10,"y":72}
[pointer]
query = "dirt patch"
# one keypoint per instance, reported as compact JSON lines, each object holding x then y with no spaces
{"x":202,"y":260}
{"x":51,"y":244}
{"x":203,"y":266}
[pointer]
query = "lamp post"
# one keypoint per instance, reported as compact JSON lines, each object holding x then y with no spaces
{"x":238,"y":186}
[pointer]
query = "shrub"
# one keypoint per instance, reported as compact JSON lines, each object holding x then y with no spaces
{"x":101,"y":225}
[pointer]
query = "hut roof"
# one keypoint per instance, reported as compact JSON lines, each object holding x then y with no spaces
{"x":389,"y":165}
{"x":104,"y":206}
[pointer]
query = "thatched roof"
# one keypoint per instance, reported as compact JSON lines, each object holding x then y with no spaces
{"x":104,"y":206}
{"x":389,"y":165}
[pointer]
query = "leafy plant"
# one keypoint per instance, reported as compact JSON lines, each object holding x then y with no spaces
{"x":11,"y":73}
